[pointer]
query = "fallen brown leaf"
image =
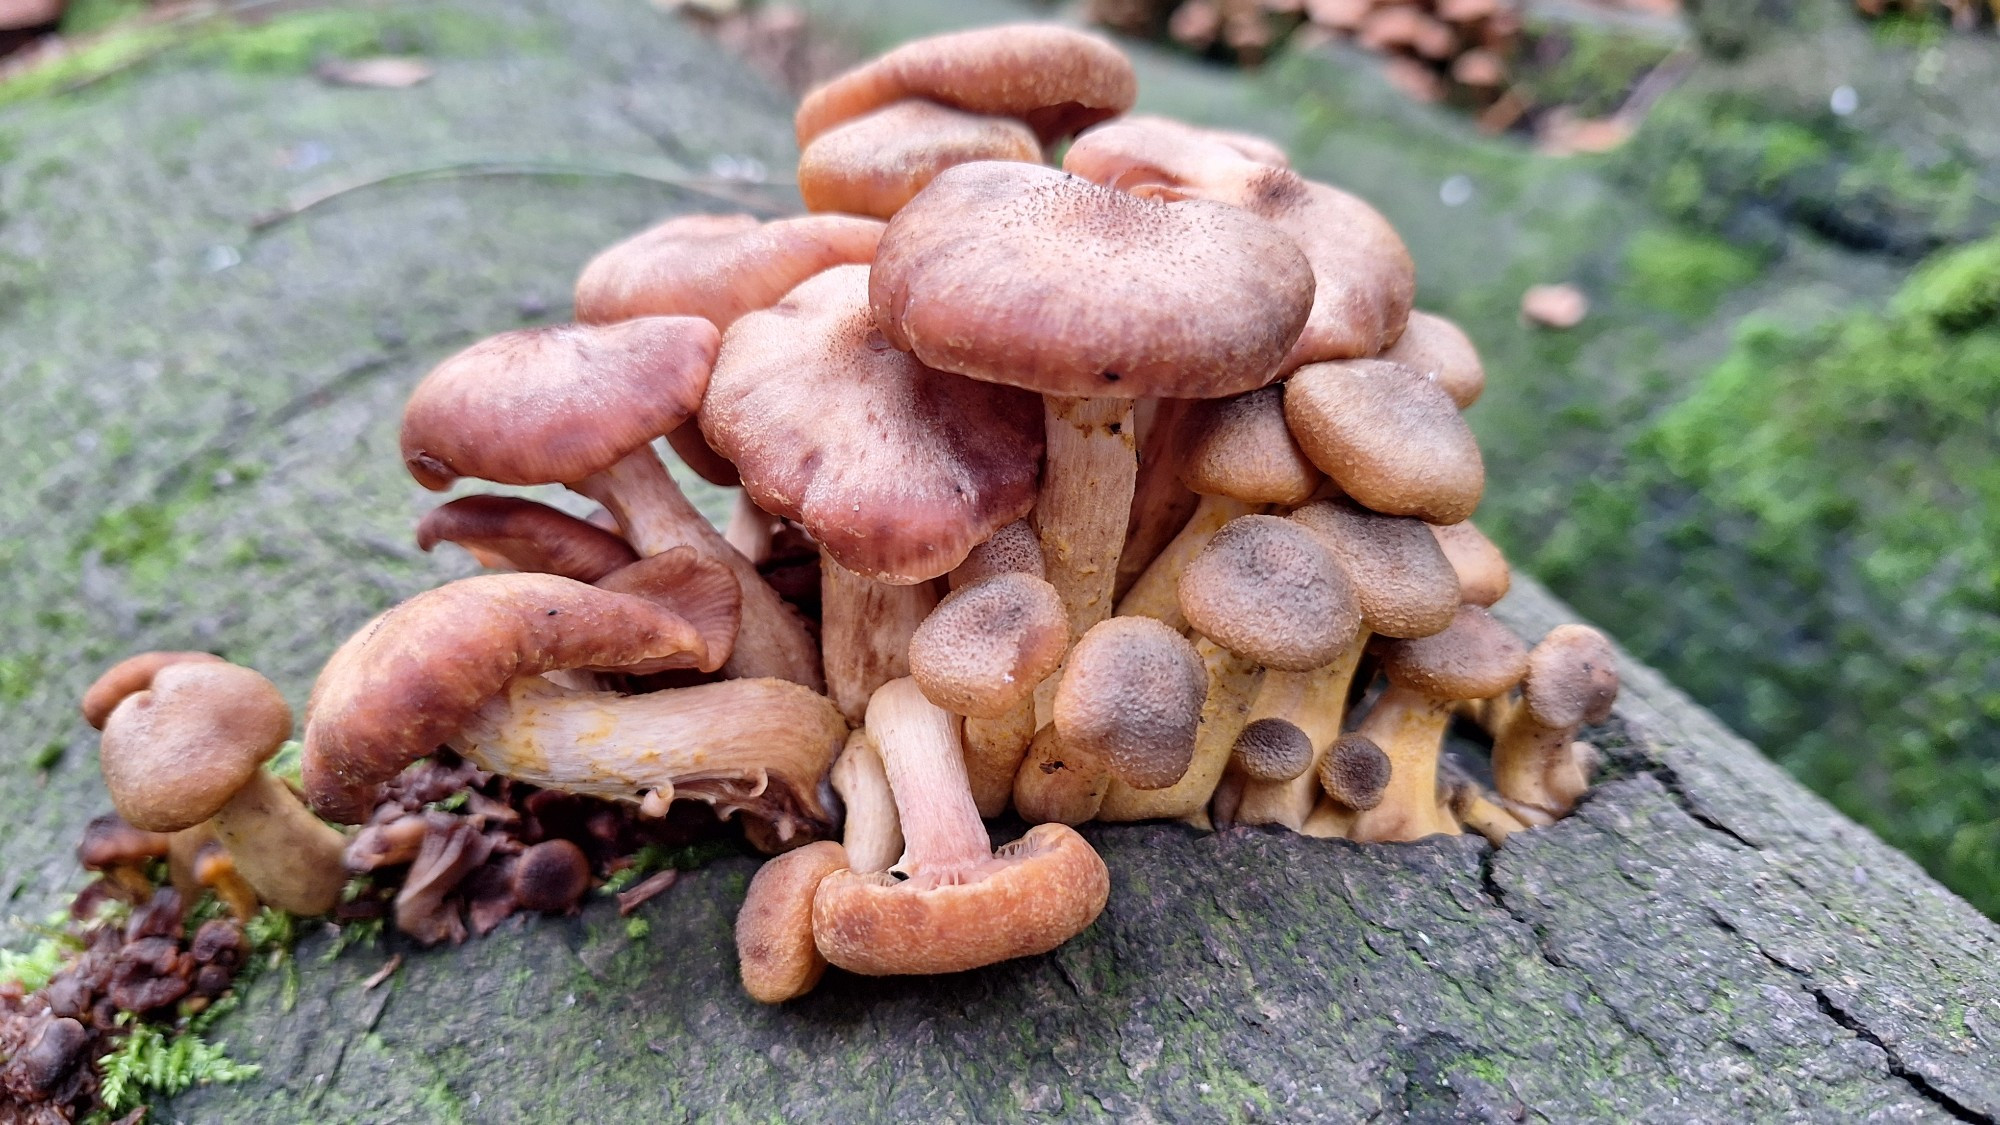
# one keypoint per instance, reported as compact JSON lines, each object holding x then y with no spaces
{"x":1554,"y":306}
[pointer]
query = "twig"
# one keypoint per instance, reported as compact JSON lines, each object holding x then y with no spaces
{"x":387,"y":970}
{"x":638,"y":896}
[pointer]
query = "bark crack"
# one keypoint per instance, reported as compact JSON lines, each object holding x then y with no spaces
{"x":1670,"y":780}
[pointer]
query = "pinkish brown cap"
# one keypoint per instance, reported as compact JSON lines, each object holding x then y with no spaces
{"x":1572,"y":678}
{"x":1389,"y":437}
{"x":1018,"y":274}
{"x":1057,"y":80}
{"x":694,"y":452}
{"x":986,"y":647}
{"x":717,"y":267}
{"x":875,"y":163}
{"x":898,"y":470}
{"x":176,"y":752}
{"x":1014,"y":549}
{"x":1355,"y":772}
{"x":691,"y":586}
{"x":774,"y":928}
{"x":1268,"y":589}
{"x":554,"y":405}
{"x":1483,"y":577}
{"x":1402,"y":580}
{"x":1144,"y":151}
{"x":1440,"y":349}
{"x":512,"y":533}
{"x":1477,"y":658}
{"x":1131,"y":694}
{"x":1241,"y":448}
{"x":134,"y":673}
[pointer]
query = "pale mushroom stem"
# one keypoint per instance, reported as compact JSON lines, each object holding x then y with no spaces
{"x":865,"y":629}
{"x":760,"y":746}
{"x":1533,"y":765}
{"x":750,"y":529}
{"x":994,"y":749}
{"x":1086,"y":500}
{"x":1409,"y":727}
{"x":943,"y":839}
{"x":1316,"y":703}
{"x":1161,"y":504}
{"x":290,"y":857}
{"x":1157,"y":592}
{"x":871,"y":834}
{"x":1055,"y":784}
{"x":656,"y":517}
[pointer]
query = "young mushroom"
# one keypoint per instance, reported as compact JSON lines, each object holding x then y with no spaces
{"x":995,"y":746}
{"x":134,"y":673}
{"x":775,"y":949}
{"x":1572,"y":679}
{"x":1436,"y":347}
{"x":1354,"y":773}
{"x":1390,"y":437}
{"x":875,"y":163}
{"x":717,"y":267}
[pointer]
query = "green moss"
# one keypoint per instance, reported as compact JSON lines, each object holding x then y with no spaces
{"x":1684,"y":273}
{"x":83,"y":17}
{"x":1586,"y":68}
{"x":150,"y":1063}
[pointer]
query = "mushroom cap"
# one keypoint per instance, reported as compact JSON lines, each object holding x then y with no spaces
{"x":1035,"y":894}
{"x":1272,"y":750}
{"x":1241,"y":448}
{"x":1143,"y":150}
{"x":411,"y":678}
{"x":1440,"y":349}
{"x":514,"y":533}
{"x":1476,"y":658}
{"x":134,"y":673}
{"x":1132,"y":694}
{"x":1483,"y":577}
{"x":1268,"y":589}
{"x":1388,"y":436}
{"x":551,"y":876}
{"x":692,"y":586}
{"x":554,"y":405}
{"x":774,"y":928}
{"x":175,"y":753}
{"x":1572,"y":678}
{"x":896,"y":469}
{"x":108,"y":841}
{"x":1019,"y":274}
{"x":1355,"y":772}
{"x":986,"y":646}
{"x":1014,"y":549}
{"x":1056,"y":79}
{"x":875,"y":163}
{"x":1402,"y":580}
{"x":694,"y":452}
{"x":717,"y":267}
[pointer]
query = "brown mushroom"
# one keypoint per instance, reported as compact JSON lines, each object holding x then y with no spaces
{"x":134,"y":673}
{"x":775,"y":952}
{"x":873,"y":164}
{"x":1389,"y":436}
{"x":1572,"y":679}
{"x":121,"y":854}
{"x":512,"y":533}
{"x":1230,"y":680}
{"x":986,"y":647}
{"x":1354,"y":773}
{"x":1436,"y":347}
{"x":716,"y":267}
{"x":995,"y":747}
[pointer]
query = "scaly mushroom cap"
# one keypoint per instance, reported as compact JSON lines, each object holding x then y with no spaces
{"x":986,"y":647}
{"x":1402,"y":580}
{"x":1057,"y":80}
{"x":1014,"y":549}
{"x":896,"y":469}
{"x":1018,"y":274}
{"x":1483,"y":577}
{"x":175,"y":753}
{"x":717,"y":267}
{"x":1474,"y":659}
{"x":1272,"y":750}
{"x":1268,"y":589}
{"x":1354,"y":772}
{"x":1389,"y":437}
{"x":551,"y":876}
{"x":1572,"y":678}
{"x":554,"y":405}
{"x":513,"y":533}
{"x":1441,"y":350}
{"x":774,"y":928}
{"x":1241,"y":448}
{"x":411,"y":678}
{"x":134,"y":673}
{"x":1132,"y":694}
{"x":1035,"y":894}
{"x":874,"y":164}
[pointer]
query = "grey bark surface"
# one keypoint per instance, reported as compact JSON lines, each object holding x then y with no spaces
{"x":201,"y":416}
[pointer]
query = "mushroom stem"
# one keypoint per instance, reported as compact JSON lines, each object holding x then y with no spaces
{"x":1409,"y":726}
{"x":1231,"y":682}
{"x":865,"y":628}
{"x":872,"y":835}
{"x":290,"y":857}
{"x":1086,"y":500}
{"x":759,"y":746}
{"x":1059,"y":784}
{"x":1533,"y":764}
{"x":1157,"y":593}
{"x":656,"y":518}
{"x":994,"y":749}
{"x":750,"y":529}
{"x":944,"y":841}
{"x":1161,"y":504}
{"x":1316,"y":703}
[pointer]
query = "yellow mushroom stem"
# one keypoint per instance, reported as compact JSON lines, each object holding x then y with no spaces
{"x":1409,"y":726}
{"x":1156,"y":593}
{"x":1231,"y":682}
{"x":290,"y":857}
{"x":994,"y":750}
{"x":1316,"y":703}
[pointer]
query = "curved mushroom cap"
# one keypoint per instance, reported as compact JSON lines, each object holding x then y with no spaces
{"x":1476,"y":658}
{"x":774,"y":928}
{"x":175,"y":753}
{"x":1402,"y":580}
{"x":1014,"y":549}
{"x":1014,"y":273}
{"x":513,"y":533}
{"x":1057,"y":80}
{"x":1389,"y":437}
{"x":108,"y":841}
{"x":691,"y":586}
{"x":1268,"y":589}
{"x":1572,"y":678}
{"x":1035,"y":894}
{"x":1483,"y":577}
{"x":1354,"y":772}
{"x":1158,"y":151}
{"x":986,"y":646}
{"x":1132,"y":694}
{"x":134,"y":673}
{"x":1440,"y":349}
{"x":1241,"y":448}
{"x":1272,"y":750}
{"x":554,"y":405}
{"x":411,"y":678}
{"x":896,"y":469}
{"x":875,"y":163}
{"x":551,"y":876}
{"x":694,"y":452}
{"x":717,"y":267}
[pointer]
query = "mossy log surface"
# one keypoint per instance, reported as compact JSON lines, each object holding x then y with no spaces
{"x":201,"y":415}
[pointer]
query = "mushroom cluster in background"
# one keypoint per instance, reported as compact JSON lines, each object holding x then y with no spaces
{"x":1136,"y":490}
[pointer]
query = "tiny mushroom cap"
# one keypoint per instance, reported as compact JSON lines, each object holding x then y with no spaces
{"x":1483,"y":576}
{"x":1572,"y":678}
{"x":1241,"y":448}
{"x":1388,"y":436}
{"x":1058,"y":80}
{"x":555,"y":405}
{"x":986,"y":646}
{"x":1268,"y":589}
{"x":1476,"y":658}
{"x":1019,"y":274}
{"x":1132,"y":694}
{"x":1440,"y":349}
{"x":717,"y":267}
{"x":174,"y":754}
{"x":1272,"y":750}
{"x":551,"y":876}
{"x":774,"y":928}
{"x":513,"y":533}
{"x":1014,"y":549}
{"x":1354,"y":772}
{"x":896,"y":469}
{"x":1404,"y":584}
{"x":874,"y":164}
{"x":134,"y":673}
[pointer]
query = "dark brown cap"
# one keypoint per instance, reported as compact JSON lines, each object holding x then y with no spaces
{"x":175,"y":753}
{"x":1474,"y":659}
{"x":1131,"y":694}
{"x":551,"y":876}
{"x":1241,"y":448}
{"x":1572,"y":678}
{"x":1389,"y":437}
{"x":1440,"y":349}
{"x":986,"y":647}
{"x":717,"y":267}
{"x":513,"y":533}
{"x":1272,"y":750}
{"x":875,"y":163}
{"x":1354,"y":772}
{"x":1268,"y":589}
{"x":1402,"y":580}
